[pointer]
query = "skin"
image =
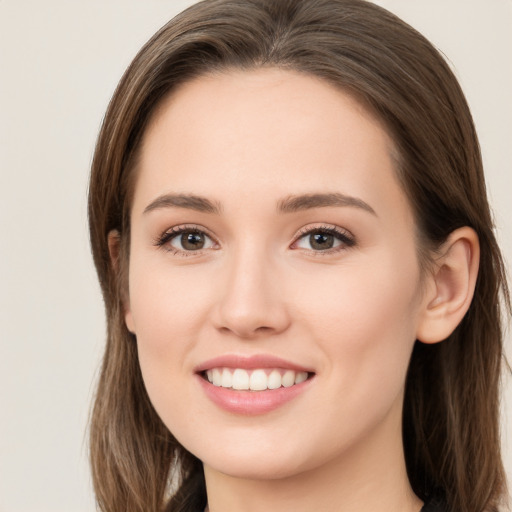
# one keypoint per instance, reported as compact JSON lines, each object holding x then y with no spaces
{"x":245,"y":141}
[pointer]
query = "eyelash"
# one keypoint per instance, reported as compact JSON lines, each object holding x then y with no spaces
{"x":164,"y":240}
{"x":345,"y":237}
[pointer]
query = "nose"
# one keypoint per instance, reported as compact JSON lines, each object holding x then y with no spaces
{"x":252,"y":300}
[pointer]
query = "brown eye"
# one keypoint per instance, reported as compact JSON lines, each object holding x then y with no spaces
{"x":321,"y":241}
{"x":324,"y":240}
{"x":183,"y":240}
{"x":191,"y":241}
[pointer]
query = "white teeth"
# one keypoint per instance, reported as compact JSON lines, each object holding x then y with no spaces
{"x":274,"y":380}
{"x":288,"y":379}
{"x":301,"y":377}
{"x":258,"y":381}
{"x":226,"y":380}
{"x":240,"y":379}
{"x":254,"y":380}
{"x":217,"y":376}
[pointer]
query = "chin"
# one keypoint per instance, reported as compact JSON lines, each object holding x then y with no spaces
{"x":249,"y":456}
{"x":255,"y":467}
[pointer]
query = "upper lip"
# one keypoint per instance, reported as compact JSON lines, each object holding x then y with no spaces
{"x":249,"y":363}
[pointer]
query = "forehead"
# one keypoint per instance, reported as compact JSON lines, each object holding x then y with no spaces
{"x":269,"y":132}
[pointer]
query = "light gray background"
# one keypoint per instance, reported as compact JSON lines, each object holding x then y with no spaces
{"x":59,"y":63}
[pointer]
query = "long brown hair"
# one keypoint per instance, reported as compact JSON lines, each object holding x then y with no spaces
{"x":451,"y":408}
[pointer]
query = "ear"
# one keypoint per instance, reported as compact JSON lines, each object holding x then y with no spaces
{"x":114,"y":249}
{"x":451,"y":286}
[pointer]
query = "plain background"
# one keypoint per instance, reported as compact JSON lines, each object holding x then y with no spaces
{"x":59,"y":63}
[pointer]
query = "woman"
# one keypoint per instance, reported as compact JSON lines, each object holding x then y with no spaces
{"x":290,"y":225}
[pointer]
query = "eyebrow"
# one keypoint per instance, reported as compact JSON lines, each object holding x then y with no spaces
{"x":188,"y":201}
{"x":290,"y":204}
{"x":297,"y":203}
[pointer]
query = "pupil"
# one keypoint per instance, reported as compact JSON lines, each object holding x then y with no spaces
{"x":321,"y":241}
{"x":192,"y":241}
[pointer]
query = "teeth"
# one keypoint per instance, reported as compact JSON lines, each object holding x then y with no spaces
{"x":217,"y":377}
{"x":300,"y":377}
{"x":226,"y":380}
{"x":254,"y":380}
{"x":274,"y":380}
{"x":240,"y":379}
{"x":288,"y":379}
{"x":258,"y":380}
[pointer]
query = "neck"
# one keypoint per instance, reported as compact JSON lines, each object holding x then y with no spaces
{"x":370,"y":476}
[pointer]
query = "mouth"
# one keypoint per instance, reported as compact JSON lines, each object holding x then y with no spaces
{"x":258,"y":379}
{"x":253,"y":385}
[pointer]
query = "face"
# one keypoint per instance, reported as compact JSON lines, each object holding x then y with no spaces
{"x":274,"y":286}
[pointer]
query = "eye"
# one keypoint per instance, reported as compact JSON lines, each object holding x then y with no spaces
{"x":324,"y":239}
{"x":190,"y":241}
{"x":185,"y":239}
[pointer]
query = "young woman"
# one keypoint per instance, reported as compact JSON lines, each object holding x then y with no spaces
{"x":290,"y":225}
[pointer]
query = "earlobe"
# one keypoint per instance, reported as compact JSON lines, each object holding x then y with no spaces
{"x":452,"y":286}
{"x":114,"y":249}
{"x":128,"y":319}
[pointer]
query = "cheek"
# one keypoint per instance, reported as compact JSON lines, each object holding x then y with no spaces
{"x":166,"y":306}
{"x":364,"y":315}
{"x":165,"y":310}
{"x":165,"y":337}
{"x":363,"y":320}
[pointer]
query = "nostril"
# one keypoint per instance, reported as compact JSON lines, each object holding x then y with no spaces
{"x":246,"y":331}
{"x":263,"y":329}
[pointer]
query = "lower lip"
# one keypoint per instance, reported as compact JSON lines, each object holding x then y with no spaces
{"x":251,"y":402}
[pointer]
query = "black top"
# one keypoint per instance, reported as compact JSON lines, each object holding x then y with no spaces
{"x":434,"y":506}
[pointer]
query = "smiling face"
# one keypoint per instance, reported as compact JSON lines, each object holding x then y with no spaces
{"x":272,"y":247}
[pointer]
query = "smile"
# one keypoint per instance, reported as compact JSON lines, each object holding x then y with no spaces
{"x":259,"y":379}
{"x":253,"y":385}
